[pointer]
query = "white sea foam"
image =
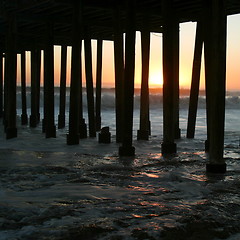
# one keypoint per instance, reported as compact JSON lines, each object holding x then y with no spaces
{"x":155,"y":98}
{"x":49,"y":190}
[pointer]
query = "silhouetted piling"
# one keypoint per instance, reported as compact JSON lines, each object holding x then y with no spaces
{"x":215,"y":44}
{"x":207,"y":66}
{"x":1,"y":85}
{"x":74,"y":105}
{"x":99,"y":83}
{"x":175,"y":26}
{"x":89,"y":86}
{"x":169,"y":32}
{"x":143,"y":132}
{"x":63,"y":76}
{"x":38,"y":78}
{"x":196,"y":70}
{"x":44,"y":102}
{"x":11,"y":70}
{"x":82,"y":124}
{"x":5,"y":98}
{"x":24,"y":116}
{"x":127,"y":148}
{"x":50,"y":128}
{"x":119,"y":73}
{"x":34,"y":88}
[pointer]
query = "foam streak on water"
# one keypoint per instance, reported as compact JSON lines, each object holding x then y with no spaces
{"x":49,"y":190}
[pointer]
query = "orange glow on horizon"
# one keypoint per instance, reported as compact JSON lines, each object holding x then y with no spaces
{"x":187,"y":41}
{"x":184,"y":79}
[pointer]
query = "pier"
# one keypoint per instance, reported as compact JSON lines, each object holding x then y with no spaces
{"x":38,"y":26}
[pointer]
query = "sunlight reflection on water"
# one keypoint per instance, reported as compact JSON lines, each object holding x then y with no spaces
{"x":141,"y":196}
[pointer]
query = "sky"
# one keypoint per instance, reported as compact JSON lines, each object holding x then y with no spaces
{"x":187,"y":40}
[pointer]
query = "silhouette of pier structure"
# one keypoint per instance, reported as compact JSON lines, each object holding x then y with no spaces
{"x":36,"y":26}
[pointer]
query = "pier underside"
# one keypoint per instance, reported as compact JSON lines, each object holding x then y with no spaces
{"x":37,"y":26}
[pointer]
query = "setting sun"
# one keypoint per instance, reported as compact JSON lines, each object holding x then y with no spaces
{"x":155,"y":79}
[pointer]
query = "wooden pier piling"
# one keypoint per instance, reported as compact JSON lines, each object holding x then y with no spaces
{"x":74,"y":105}
{"x":34,"y":89}
{"x":127,"y":149}
{"x":82,"y":124}
{"x":143,"y":132}
{"x":1,"y":85}
{"x":5,"y":98}
{"x":215,"y":44}
{"x":10,"y":79}
{"x":169,"y":32}
{"x":24,"y":116}
{"x":175,"y":48}
{"x":194,"y":92}
{"x":119,"y":72}
{"x":38,"y":78}
{"x":63,"y":76}
{"x":50,"y":128}
{"x":89,"y":86}
{"x":99,"y":83}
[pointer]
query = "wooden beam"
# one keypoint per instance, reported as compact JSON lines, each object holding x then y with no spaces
{"x":127,"y":149}
{"x":1,"y":85}
{"x":24,"y":117}
{"x":39,"y":56}
{"x":99,"y":83}
{"x":82,"y":124}
{"x":50,"y":128}
{"x":89,"y":87}
{"x":5,"y":93}
{"x":10,"y":75}
{"x":170,"y":28}
{"x":75,"y":85}
{"x":196,"y":70}
{"x":215,"y":44}
{"x":63,"y":76}
{"x":175,"y":26}
{"x":119,"y":72}
{"x":143,"y":132}
{"x":34,"y":89}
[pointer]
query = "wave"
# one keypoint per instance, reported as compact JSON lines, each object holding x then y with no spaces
{"x":155,"y":99}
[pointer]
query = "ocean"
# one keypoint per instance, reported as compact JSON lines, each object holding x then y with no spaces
{"x":52,"y":191}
